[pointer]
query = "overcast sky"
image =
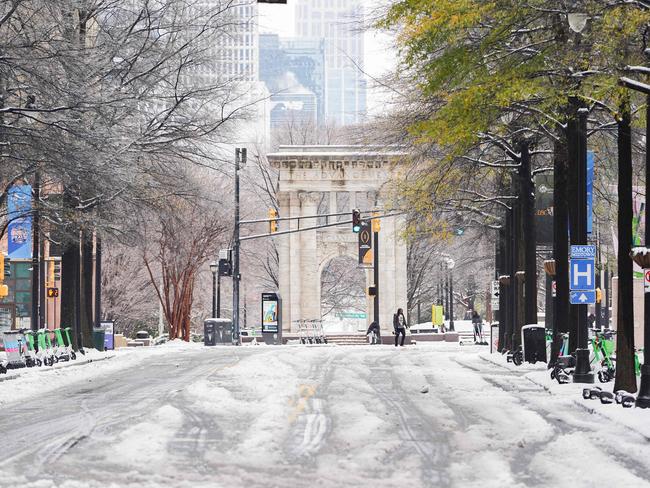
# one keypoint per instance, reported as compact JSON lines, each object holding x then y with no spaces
{"x":379,"y":53}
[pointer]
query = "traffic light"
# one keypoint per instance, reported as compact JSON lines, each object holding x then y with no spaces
{"x":5,"y":267}
{"x":273,"y":224}
{"x":356,"y":220}
{"x":52,"y":292}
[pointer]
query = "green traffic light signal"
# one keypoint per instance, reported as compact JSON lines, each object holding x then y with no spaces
{"x":356,"y":220}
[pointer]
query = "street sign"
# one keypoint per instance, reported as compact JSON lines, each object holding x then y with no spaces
{"x":646,"y":281}
{"x":583,"y":252}
{"x":554,"y":288}
{"x":583,"y":297}
{"x":494,"y":288}
{"x":583,"y":276}
{"x":494,"y":292}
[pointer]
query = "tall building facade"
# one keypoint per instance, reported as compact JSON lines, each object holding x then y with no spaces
{"x":338,"y":23}
{"x":294,"y":72}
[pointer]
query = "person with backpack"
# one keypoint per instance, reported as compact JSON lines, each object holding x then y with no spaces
{"x":399,"y":324}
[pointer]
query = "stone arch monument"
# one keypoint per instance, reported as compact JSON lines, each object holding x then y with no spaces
{"x":325,"y":180}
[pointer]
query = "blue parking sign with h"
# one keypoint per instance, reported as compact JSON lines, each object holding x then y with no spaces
{"x":583,"y":275}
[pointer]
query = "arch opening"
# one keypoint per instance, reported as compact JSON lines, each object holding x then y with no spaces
{"x":343,"y":299}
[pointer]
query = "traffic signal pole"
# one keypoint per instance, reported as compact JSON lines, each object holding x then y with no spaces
{"x":375,"y":256}
{"x":240,"y":159}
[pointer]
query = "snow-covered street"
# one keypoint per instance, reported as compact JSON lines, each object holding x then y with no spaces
{"x":369,"y":416}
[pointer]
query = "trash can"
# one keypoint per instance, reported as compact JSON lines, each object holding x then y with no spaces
{"x":217,"y":332}
{"x":533,"y":340}
{"x":98,"y":338}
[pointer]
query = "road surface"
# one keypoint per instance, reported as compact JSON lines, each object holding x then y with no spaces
{"x":313,"y":417}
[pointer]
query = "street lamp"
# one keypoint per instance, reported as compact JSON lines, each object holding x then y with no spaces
{"x":577,"y":21}
{"x":214,"y":267}
{"x":450,"y":266}
{"x":582,"y":373}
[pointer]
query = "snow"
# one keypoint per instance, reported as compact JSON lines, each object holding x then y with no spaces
{"x":24,"y":383}
{"x":433,"y":414}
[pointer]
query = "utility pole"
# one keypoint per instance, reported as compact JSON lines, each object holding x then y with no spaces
{"x":240,"y":160}
{"x":36,"y":251}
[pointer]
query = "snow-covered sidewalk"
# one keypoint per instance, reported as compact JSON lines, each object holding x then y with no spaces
{"x":635,"y":419}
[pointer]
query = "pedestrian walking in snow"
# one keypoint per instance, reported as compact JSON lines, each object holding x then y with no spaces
{"x":477,"y":322}
{"x":374,"y":333}
{"x":399,"y":324}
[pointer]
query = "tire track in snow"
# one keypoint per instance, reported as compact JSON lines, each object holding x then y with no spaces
{"x":431,"y":444}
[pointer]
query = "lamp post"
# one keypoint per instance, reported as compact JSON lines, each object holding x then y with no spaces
{"x":450,"y":266}
{"x":214,"y":267}
{"x":582,"y":374}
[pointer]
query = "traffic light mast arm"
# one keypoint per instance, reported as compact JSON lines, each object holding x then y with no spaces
{"x":259,"y":221}
{"x":315,"y":227}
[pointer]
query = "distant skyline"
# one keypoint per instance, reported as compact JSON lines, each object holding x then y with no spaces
{"x":379,"y":57}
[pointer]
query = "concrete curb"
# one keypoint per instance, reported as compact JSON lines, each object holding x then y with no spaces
{"x":69,"y":364}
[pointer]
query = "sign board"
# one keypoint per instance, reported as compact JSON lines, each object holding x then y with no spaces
{"x":583,"y":297}
{"x":590,"y":191}
{"x":583,"y":252}
{"x":544,"y":208}
{"x":270,"y":313}
{"x":494,"y":292}
{"x":365,"y":243}
{"x":646,"y":281}
{"x":583,"y":276}
{"x":19,"y":229}
{"x":437,"y":317}
{"x":52,"y":292}
{"x":109,"y":333}
{"x":351,"y":315}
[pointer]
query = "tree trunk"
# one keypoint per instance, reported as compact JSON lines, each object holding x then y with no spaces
{"x":87,"y":290}
{"x":69,"y":286}
{"x":502,"y":289}
{"x":560,"y":245}
{"x":529,"y":233}
{"x":625,"y":375}
{"x":98,"y":280}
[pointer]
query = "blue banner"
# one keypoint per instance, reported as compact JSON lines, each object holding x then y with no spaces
{"x":19,"y":207}
{"x":590,"y":191}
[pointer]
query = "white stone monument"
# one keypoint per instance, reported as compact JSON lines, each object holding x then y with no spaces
{"x":336,"y":179}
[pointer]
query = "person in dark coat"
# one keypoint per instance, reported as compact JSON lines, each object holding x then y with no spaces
{"x":478,"y":327}
{"x":399,"y":324}
{"x":374,"y":333}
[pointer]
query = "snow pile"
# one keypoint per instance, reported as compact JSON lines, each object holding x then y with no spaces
{"x":145,"y":443}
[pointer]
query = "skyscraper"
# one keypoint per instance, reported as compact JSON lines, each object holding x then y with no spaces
{"x":294,"y":72}
{"x":338,"y":22}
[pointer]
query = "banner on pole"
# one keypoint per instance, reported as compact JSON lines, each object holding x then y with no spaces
{"x":19,"y":230}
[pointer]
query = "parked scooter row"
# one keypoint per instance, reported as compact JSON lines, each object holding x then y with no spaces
{"x":27,"y":348}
